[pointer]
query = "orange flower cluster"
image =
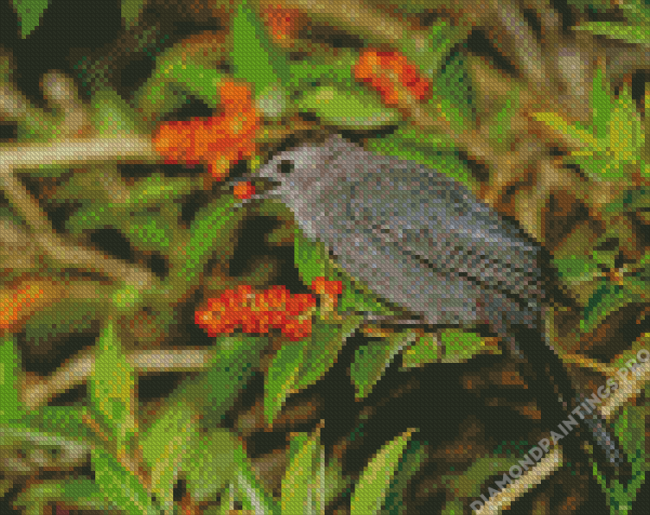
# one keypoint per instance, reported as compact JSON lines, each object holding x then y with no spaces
{"x":218,"y":141}
{"x":369,"y":70}
{"x":257,"y":313}
{"x":14,"y":307}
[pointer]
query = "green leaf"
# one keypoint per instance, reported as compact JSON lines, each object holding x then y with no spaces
{"x":127,"y":299}
{"x":441,"y":39}
{"x":453,"y":89}
{"x":211,"y":231}
{"x":132,"y":11}
{"x":618,"y":129}
{"x":425,"y":350}
{"x":60,"y":420}
{"x":157,"y":190}
{"x":371,"y":360}
{"x":65,"y":317}
{"x":30,"y":13}
{"x":165,"y":447}
{"x":372,"y":488}
{"x":150,"y":232}
{"x":252,"y":494}
{"x":352,"y":109}
{"x":636,"y":34}
{"x":636,"y":10}
{"x":630,"y":428}
{"x":576,"y":269}
{"x":327,"y":340}
{"x":10,"y":407}
{"x":91,"y":217}
{"x":255,"y":60}
{"x":300,"y":483}
{"x":214,"y":391}
{"x":112,"y":116}
{"x":412,"y":460}
{"x":282,"y":377}
{"x":36,"y":498}
{"x":119,"y":485}
{"x":460,"y":346}
{"x":607,"y":298}
{"x":209,"y":464}
{"x":112,"y":388}
{"x":321,"y":70}
{"x":177,"y":75}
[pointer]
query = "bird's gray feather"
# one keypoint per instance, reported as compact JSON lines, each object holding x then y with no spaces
{"x":418,"y":238}
{"x":424,"y":242}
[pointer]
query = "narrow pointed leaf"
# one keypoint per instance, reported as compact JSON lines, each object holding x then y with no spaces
{"x":120,"y":486}
{"x":410,"y":463}
{"x":299,"y":477}
{"x":112,"y":388}
{"x":352,"y":109}
{"x":210,"y":463}
{"x":282,"y":377}
{"x":370,"y":361}
{"x":327,"y":340}
{"x":635,"y":34}
{"x":255,"y":59}
{"x":249,"y":488}
{"x":370,"y":492}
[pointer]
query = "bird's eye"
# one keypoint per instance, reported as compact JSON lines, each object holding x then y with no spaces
{"x":286,"y":167}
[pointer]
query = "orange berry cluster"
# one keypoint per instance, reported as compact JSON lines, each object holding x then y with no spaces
{"x":322,"y":286}
{"x":369,"y":70}
{"x":229,"y":137}
{"x":259,"y":312}
{"x":244,"y":190}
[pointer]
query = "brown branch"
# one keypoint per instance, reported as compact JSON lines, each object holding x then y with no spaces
{"x":36,"y":392}
{"x":73,"y":152}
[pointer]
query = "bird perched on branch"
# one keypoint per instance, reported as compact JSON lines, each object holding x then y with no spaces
{"x":427,"y":244}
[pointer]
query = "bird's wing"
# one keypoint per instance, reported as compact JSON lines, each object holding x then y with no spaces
{"x":424,"y":242}
{"x":440,"y":222}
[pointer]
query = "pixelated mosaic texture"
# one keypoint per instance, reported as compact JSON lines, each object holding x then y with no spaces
{"x":252,"y":262}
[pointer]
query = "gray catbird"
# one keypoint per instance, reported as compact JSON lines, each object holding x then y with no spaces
{"x":426,"y":243}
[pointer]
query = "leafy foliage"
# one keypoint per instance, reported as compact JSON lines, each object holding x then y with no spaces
{"x":185,"y":440}
{"x":30,"y":13}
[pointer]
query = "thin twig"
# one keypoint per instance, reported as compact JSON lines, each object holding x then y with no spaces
{"x":544,"y":469}
{"x":628,"y":388}
{"x":36,"y":393}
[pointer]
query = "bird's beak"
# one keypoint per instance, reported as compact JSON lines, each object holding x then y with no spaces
{"x":264,"y":188}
